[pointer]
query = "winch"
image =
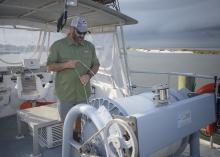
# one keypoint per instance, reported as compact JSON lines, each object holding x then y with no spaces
{"x":137,"y":126}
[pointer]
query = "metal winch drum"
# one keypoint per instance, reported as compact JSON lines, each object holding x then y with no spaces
{"x":108,"y":127}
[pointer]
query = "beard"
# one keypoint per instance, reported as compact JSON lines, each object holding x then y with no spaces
{"x":78,"y":39}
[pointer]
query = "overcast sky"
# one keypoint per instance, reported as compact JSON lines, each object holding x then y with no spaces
{"x":173,"y":23}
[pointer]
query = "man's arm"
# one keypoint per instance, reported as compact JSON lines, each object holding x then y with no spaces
{"x":56,"y":67}
{"x":94,"y":69}
{"x":84,"y":79}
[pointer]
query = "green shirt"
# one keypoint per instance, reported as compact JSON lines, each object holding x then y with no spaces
{"x":68,"y":87}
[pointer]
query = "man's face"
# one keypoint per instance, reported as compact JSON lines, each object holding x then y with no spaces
{"x":77,"y":36}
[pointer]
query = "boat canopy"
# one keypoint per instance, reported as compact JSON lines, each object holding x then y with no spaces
{"x":45,"y":13}
{"x":18,"y":19}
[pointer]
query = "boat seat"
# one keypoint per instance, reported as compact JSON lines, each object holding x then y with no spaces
{"x":29,"y":87}
{"x":39,"y":118}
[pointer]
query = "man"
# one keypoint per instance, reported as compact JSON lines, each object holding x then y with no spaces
{"x":74,"y":61}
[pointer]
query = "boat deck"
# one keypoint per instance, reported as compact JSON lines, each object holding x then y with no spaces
{"x":12,"y":147}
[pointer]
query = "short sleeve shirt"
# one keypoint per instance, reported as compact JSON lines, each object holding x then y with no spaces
{"x":68,"y":87}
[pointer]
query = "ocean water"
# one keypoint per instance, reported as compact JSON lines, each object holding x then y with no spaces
{"x":198,"y":64}
{"x":171,"y":62}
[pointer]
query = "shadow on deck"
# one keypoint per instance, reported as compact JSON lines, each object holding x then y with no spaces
{"x":12,"y":147}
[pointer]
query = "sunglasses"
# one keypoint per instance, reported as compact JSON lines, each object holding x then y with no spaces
{"x":80,"y":33}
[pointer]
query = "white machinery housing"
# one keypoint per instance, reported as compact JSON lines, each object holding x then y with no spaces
{"x":138,"y":126}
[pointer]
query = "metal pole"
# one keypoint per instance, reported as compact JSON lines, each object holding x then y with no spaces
{"x":216,"y":96}
{"x":19,"y":135}
{"x":172,"y":73}
{"x":194,"y":145}
{"x":125,"y":60}
{"x":211,"y":142}
{"x":216,"y":108}
{"x":168,"y":80}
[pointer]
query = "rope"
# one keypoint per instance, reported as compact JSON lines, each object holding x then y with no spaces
{"x":88,"y":68}
{"x":84,"y":88}
{"x":42,"y":46}
{"x":37,"y":46}
{"x":92,"y":137}
{"x":48,"y":44}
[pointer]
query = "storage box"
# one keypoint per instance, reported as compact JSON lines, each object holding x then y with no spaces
{"x":51,"y":136}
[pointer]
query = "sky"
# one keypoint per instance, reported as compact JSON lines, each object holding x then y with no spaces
{"x":167,"y":24}
{"x":173,"y":23}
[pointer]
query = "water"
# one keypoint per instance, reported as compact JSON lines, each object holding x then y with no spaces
{"x":156,"y":62}
{"x":171,"y":62}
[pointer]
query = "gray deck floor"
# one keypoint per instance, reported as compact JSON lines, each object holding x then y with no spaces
{"x":11,"y":147}
{"x":205,"y":149}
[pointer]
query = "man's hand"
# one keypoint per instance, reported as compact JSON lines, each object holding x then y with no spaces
{"x":84,"y":79}
{"x":69,"y":64}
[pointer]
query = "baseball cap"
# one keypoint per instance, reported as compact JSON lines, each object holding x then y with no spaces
{"x":79,"y":23}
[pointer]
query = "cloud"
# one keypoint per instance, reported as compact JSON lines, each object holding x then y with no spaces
{"x":180,"y":22}
{"x":155,"y":5}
